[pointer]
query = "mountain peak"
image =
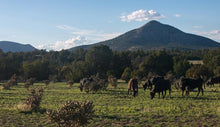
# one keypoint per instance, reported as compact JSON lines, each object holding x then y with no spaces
{"x":152,"y":23}
{"x":155,"y":35}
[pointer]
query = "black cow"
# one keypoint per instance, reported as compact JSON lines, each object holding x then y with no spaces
{"x":147,"y":84}
{"x":213,"y":80}
{"x":187,"y":84}
{"x":133,"y":86}
{"x":160,"y":85}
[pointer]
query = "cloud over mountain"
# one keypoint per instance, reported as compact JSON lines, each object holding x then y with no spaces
{"x":59,"y":45}
{"x":214,"y":34}
{"x":142,"y":15}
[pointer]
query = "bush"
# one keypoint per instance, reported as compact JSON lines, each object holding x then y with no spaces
{"x":70,"y":83}
{"x":46,"y":82}
{"x":72,"y":114}
{"x":53,"y":78}
{"x":126,"y":75}
{"x":93,"y":84}
{"x":27,"y":85}
{"x":113,"y":81}
{"x":33,"y":101}
{"x":29,"y":82}
{"x":6,"y":86}
{"x":11,"y":82}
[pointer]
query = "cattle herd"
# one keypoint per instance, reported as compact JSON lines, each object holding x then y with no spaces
{"x":159,"y":85}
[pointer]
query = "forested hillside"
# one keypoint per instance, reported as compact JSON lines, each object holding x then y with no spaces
{"x":66,"y":65}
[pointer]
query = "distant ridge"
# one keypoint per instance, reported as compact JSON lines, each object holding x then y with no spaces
{"x":8,"y":46}
{"x":155,"y":35}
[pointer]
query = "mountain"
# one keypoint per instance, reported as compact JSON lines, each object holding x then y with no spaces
{"x":8,"y":46}
{"x":155,"y":35}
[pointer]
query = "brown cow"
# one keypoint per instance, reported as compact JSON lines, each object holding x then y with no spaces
{"x":133,"y":86}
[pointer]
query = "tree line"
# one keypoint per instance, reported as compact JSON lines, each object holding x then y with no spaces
{"x":73,"y":66}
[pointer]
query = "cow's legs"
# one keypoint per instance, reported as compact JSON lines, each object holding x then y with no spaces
{"x":187,"y":93}
{"x":164,"y":94}
{"x":202,"y":91}
{"x":159,"y":94}
{"x":198,"y":92}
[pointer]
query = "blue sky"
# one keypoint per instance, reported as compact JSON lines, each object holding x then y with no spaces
{"x":61,"y":24}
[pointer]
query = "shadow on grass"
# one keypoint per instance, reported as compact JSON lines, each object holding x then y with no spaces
{"x":114,"y":117}
{"x":194,"y":98}
{"x":41,"y":111}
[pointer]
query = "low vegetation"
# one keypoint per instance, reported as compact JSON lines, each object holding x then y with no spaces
{"x":10,"y":83}
{"x":32,"y":102}
{"x":93,"y":84}
{"x":72,"y":114}
{"x":113,"y":107}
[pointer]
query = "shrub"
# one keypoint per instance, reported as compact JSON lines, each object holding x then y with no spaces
{"x":93,"y":84}
{"x":27,"y":85}
{"x":11,"y":82}
{"x":29,"y":82}
{"x":70,"y":83}
{"x":113,"y":81}
{"x":6,"y":86}
{"x":126,"y":75}
{"x":53,"y":78}
{"x":72,"y":114}
{"x":46,"y":82}
{"x":33,"y":101}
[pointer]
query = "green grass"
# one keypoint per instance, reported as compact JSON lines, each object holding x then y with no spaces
{"x":115,"y":108}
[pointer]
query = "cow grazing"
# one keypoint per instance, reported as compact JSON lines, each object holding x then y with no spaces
{"x":84,"y":83}
{"x":147,"y":84}
{"x":133,"y":86}
{"x":160,"y":85}
{"x":213,"y":80}
{"x":187,"y":84}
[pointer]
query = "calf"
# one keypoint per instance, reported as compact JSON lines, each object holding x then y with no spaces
{"x":187,"y":84}
{"x":133,"y":86}
{"x":213,"y":80}
{"x":160,"y":85}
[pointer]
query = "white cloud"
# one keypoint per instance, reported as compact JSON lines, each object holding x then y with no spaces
{"x":142,"y":15}
{"x":92,"y":35}
{"x":80,"y":37}
{"x":214,"y":34}
{"x":59,"y":45}
{"x":177,"y":15}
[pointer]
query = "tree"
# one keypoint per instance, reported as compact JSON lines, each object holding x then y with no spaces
{"x":38,"y":69}
{"x":181,"y":67}
{"x":197,"y":71}
{"x":126,"y":74}
{"x":99,"y":59}
{"x":159,"y":63}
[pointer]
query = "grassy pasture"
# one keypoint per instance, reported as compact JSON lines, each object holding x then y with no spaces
{"x":115,"y":108}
